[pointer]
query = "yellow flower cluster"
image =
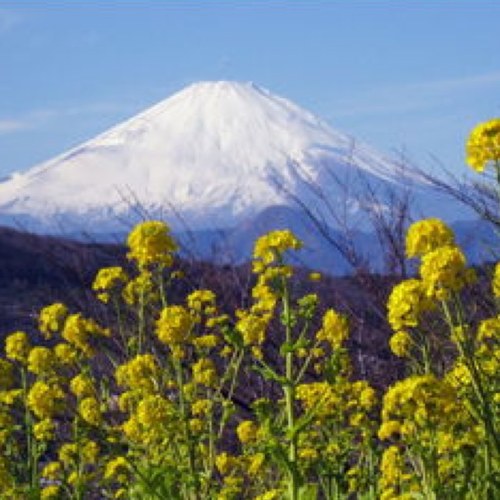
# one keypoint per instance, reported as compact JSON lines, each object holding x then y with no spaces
{"x":42,"y":361}
{"x":140,"y":373}
{"x":6,"y":374}
{"x":17,"y":347}
{"x":78,"y":331}
{"x":247,"y":432}
{"x":407,"y":302}
{"x":109,"y":280}
{"x":401,"y":343}
{"x":82,"y":386}
{"x":495,"y":284}
{"x":444,"y":270}
{"x":483,"y":145}
{"x":140,"y":290}
{"x":44,"y":399}
{"x":174,"y":325}
{"x":270,"y":248}
{"x":204,"y":372}
{"x":51,"y":319}
{"x":151,"y":243}
{"x":427,"y":235}
{"x":335,"y":329}
{"x":89,"y":409}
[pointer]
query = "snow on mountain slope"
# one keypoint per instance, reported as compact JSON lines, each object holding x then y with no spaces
{"x":214,"y":154}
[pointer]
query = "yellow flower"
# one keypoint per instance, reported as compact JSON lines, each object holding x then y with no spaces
{"x":50,"y":492}
{"x":66,"y":354}
{"x":495,"y":285}
{"x":17,"y":347}
{"x":206,"y":341}
{"x":44,"y":430}
{"x":90,"y":451}
{"x":335,"y":329}
{"x":427,"y":235}
{"x":196,"y":425}
{"x":407,"y":302}
{"x":109,"y":279}
{"x":201,"y":301}
{"x":51,"y":319}
{"x":201,"y":407}
{"x":489,"y":329}
{"x":52,"y":471}
{"x":315,"y":276}
{"x":141,"y":372}
{"x":391,"y":467}
{"x":389,"y":429}
{"x":270,"y":248}
{"x":225,"y":463}
{"x":247,"y":431}
{"x":141,"y":289}
{"x":79,"y":331}
{"x":308,"y":453}
{"x":204,"y":372}
{"x":153,"y":411}
{"x":81,"y":386}
{"x":117,"y":469}
{"x":483,"y":145}
{"x":6,"y":374}
{"x":68,"y":454}
{"x":444,"y":270}
{"x":90,"y":411}
{"x":41,"y":361}
{"x":400,"y":343}
{"x":150,"y":242}
{"x":174,"y":325}
{"x":45,"y":400}
{"x":252,"y":327}
{"x":255,"y":463}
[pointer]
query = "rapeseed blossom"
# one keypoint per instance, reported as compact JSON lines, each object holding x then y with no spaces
{"x":400,"y":343}
{"x":495,"y":285}
{"x":174,"y":325}
{"x":269,"y":249}
{"x":444,"y":271}
{"x":407,"y":303}
{"x":17,"y":347}
{"x":426,"y":235}
{"x":51,"y":319}
{"x":141,"y":373}
{"x":483,"y":145}
{"x":149,"y":243}
{"x":204,"y":372}
{"x":45,"y":400}
{"x":42,"y":361}
{"x":247,"y":431}
{"x":6,"y":374}
{"x":109,"y":280}
{"x":334,"y":330}
{"x":79,"y":331}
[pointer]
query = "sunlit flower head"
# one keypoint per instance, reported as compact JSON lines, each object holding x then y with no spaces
{"x":150,"y":242}
{"x":483,"y":145}
{"x":17,"y":346}
{"x":427,"y":235}
{"x":108,"y":280}
{"x":51,"y":319}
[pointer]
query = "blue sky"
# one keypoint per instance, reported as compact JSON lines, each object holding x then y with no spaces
{"x":411,"y":76}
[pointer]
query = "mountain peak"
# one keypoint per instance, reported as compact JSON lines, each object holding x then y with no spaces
{"x":214,"y":154}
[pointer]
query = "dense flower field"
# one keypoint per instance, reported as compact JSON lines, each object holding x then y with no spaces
{"x":144,"y":407}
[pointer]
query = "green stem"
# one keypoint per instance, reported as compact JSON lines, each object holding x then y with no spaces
{"x":187,"y":431}
{"x":289,"y":390}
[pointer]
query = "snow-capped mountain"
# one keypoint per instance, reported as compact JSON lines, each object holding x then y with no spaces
{"x":210,"y":156}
